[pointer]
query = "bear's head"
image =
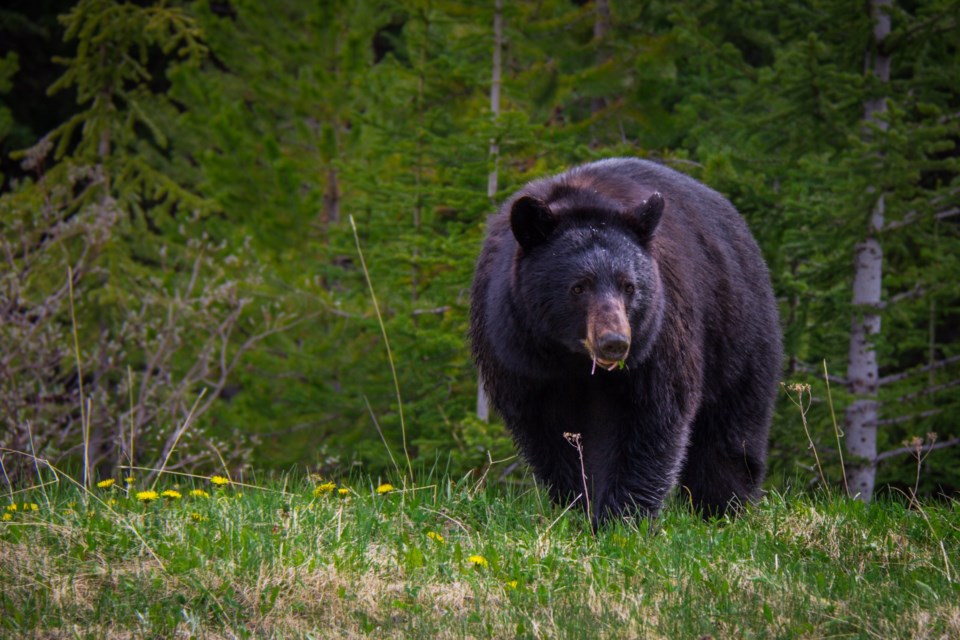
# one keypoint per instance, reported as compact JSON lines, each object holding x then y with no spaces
{"x":586,"y":276}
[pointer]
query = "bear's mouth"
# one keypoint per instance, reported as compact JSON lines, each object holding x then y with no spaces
{"x":603,"y":363}
{"x":609,"y":365}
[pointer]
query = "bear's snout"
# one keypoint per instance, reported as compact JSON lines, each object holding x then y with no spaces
{"x":613,"y":346}
{"x":608,"y":332}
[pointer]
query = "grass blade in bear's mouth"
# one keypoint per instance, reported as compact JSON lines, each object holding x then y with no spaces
{"x":609,"y":365}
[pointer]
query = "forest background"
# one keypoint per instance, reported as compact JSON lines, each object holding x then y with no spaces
{"x":181,"y":282}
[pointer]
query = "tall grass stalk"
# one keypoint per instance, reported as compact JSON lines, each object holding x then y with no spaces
{"x":3,"y":468}
{"x":383,"y":439}
{"x":386,"y":342}
{"x":133,"y":422}
{"x":84,"y":412}
{"x":36,"y":464}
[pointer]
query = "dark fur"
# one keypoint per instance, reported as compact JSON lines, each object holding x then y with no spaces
{"x":692,"y":406}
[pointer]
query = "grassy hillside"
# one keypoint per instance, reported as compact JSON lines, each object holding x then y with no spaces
{"x":297,"y":558}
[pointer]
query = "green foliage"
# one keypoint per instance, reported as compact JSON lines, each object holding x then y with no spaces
{"x":8,"y":67}
{"x":240,"y":138}
{"x":347,"y":131}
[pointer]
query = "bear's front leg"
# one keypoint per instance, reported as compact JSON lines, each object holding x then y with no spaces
{"x":636,"y":474}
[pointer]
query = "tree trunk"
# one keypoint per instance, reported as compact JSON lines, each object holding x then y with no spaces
{"x":495,"y":95}
{"x":483,"y":402}
{"x":862,"y":368}
{"x":601,"y":25}
{"x":331,"y":199}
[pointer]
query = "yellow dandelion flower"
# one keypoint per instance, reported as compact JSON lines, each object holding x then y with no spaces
{"x":12,"y":507}
{"x":106,"y":484}
{"x":170,"y":493}
{"x":384,"y":488}
{"x":436,"y":537}
{"x":512,"y":584}
{"x":33,"y":507}
{"x":147,"y":496}
{"x":219,"y":480}
{"x":199,"y":493}
{"x":7,"y":517}
{"x":130,"y":479}
{"x":477,"y":561}
{"x":324,"y":489}
{"x":343,"y":492}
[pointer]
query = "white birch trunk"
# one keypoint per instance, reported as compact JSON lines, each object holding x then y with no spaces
{"x":495,"y":93}
{"x":862,"y":368}
{"x":483,"y":402}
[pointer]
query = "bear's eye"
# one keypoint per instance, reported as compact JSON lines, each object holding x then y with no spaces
{"x":577,"y":289}
{"x":629,"y":289}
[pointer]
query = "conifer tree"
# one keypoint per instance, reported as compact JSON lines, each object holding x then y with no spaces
{"x":117,"y":309}
{"x":829,"y":160}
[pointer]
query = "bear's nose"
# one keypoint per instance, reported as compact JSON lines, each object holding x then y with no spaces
{"x":613,"y":346}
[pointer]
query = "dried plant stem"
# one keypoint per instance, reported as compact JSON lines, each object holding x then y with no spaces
{"x":575,"y":440}
{"x":386,"y":342}
{"x":836,"y":429}
{"x":920,"y":453}
{"x":800,"y":389}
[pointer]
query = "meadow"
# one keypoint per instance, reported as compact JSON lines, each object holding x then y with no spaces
{"x":295,"y":556}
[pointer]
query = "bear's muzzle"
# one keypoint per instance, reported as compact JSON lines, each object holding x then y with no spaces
{"x":608,"y":332}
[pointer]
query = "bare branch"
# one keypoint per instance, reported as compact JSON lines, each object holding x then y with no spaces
{"x":439,"y":311}
{"x":915,"y":416}
{"x":928,"y":391}
{"x":915,"y":450}
{"x":160,"y":354}
{"x":913,"y":216}
{"x":916,"y":292}
{"x":897,"y":377}
{"x":908,"y":218}
{"x":225,"y":365}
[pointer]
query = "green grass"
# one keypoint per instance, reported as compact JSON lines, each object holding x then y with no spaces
{"x":277,"y":561}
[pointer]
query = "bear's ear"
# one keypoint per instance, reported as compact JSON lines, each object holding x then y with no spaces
{"x":532,"y":221}
{"x":645,"y":218}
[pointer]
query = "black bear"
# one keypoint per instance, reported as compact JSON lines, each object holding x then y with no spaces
{"x":629,"y":304}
